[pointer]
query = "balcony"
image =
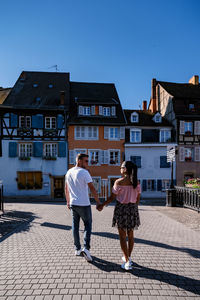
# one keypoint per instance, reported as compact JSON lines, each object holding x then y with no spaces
{"x":25,"y":132}
{"x":50,"y":132}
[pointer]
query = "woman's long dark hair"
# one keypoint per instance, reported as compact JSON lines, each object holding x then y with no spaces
{"x":132,"y":172}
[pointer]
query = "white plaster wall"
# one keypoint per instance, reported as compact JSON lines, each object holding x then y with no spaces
{"x":150,"y":166}
{"x":10,"y":165}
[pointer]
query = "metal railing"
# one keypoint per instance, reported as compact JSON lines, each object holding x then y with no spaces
{"x":102,"y":189}
{"x":188,"y":197}
{"x":1,"y":197}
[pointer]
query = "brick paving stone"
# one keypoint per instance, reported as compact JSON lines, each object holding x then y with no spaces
{"x":38,"y":260}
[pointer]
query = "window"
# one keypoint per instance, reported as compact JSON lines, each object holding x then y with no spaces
{"x":86,"y":110}
{"x":134,"y":117}
{"x":114,"y":133}
{"x":97,"y":183}
{"x":188,"y":128}
{"x":106,"y":111}
{"x":50,"y":86}
{"x":165,"y":184}
{"x":135,"y":136}
{"x":136,"y":160}
{"x":50,"y":151}
{"x":94,"y":157}
{"x":157,"y":118}
{"x":163,"y":162}
{"x":151,"y":185}
{"x":165,"y":136}
{"x":50,"y":123}
{"x":114,"y":157}
{"x":25,"y":151}
{"x":191,"y":107}
{"x":188,"y":154}
{"x":29,"y":180}
{"x":25,"y":122}
{"x":86,"y":133}
{"x":35,"y":85}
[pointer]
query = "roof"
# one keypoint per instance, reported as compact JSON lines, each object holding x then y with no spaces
{"x":4,"y":93}
{"x":105,"y":94}
{"x":39,"y":90}
{"x":145,"y":119}
{"x":181,"y":90}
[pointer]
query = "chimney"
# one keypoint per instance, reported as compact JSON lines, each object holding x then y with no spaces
{"x":62,"y":97}
{"x":153,"y":95}
{"x":194,"y":80}
{"x":144,"y":105}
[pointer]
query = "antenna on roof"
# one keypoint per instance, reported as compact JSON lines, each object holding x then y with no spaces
{"x":54,"y":66}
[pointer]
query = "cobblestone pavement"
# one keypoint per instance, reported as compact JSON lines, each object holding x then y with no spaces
{"x":37,"y":260}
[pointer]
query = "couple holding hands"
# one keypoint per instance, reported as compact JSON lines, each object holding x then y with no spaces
{"x":126,"y":191}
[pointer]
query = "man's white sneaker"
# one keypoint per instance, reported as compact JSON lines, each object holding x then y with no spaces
{"x":78,"y":252}
{"x":130,"y":261}
{"x":86,"y":254}
{"x":126,"y":266}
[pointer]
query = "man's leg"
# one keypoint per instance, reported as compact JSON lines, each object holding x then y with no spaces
{"x":86,"y":216}
{"x":75,"y":226}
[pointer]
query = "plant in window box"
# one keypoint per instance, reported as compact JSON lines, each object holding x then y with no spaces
{"x":21,"y":186}
{"x":193,"y":183}
{"x":49,"y":157}
{"x":189,"y":158}
{"x":29,"y":186}
{"x":24,"y":158}
{"x":94,"y":162}
{"x":188,"y":133}
{"x":112,"y":162}
{"x":37,"y":186}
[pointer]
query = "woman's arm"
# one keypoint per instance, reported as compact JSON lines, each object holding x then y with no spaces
{"x":110,"y":199}
{"x":138,"y":199}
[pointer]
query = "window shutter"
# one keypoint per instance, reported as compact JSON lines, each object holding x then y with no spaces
{"x":181,"y":154}
{"x":138,"y":161}
{"x":93,"y":110}
{"x":182,"y":127}
{"x":61,"y":149}
{"x":106,"y":157}
{"x":38,"y":149}
{"x":71,"y":157}
{"x":80,"y":110}
{"x":197,"y":127}
{"x":102,"y":157}
{"x":12,"y":149}
{"x":100,"y":110}
{"x":119,"y":160}
{"x":113,"y":110}
{"x":59,"y":121}
{"x":159,"y":185}
{"x":13,"y":120}
{"x":197,"y":153}
{"x":122,"y":133}
{"x":144,"y":185}
{"x":37,"y":121}
{"x":153,"y":185}
{"x":106,"y":133}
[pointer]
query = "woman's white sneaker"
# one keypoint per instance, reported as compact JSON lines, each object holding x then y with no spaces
{"x":130,"y":261}
{"x":126,"y":266}
{"x":86,"y":254}
{"x":78,"y":252}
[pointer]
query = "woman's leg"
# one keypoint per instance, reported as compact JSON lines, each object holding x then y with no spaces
{"x":122,"y":237}
{"x":130,"y":234}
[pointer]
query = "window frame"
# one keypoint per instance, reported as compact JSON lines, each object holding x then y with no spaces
{"x":51,"y":123}
{"x":90,"y":159}
{"x":27,"y":119}
{"x":136,"y":130}
{"x":118,"y":157}
{"x":84,"y":132}
{"x":134,"y":114}
{"x":106,"y":111}
{"x":116,"y":131}
{"x":165,"y":138}
{"x":28,"y":153}
{"x":53,"y":153}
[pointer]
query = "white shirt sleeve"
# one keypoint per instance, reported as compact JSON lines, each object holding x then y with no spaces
{"x":88,"y":178}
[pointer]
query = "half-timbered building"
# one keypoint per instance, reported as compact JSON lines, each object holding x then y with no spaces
{"x":33,"y":144}
{"x":180,"y":104}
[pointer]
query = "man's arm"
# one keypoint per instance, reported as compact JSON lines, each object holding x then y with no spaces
{"x":94,"y":193}
{"x":67,"y":195}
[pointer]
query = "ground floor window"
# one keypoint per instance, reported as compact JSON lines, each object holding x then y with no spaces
{"x":25,"y":150}
{"x":165,"y":184}
{"x":29,"y":180}
{"x":50,"y":151}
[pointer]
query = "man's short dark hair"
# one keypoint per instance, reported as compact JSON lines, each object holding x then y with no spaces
{"x":81,"y":156}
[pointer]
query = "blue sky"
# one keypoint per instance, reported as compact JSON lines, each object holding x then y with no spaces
{"x":126,"y":42}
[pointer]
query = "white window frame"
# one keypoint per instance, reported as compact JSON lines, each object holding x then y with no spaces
{"x":106,"y":111}
{"x":25,"y":150}
{"x":118,"y":158}
{"x":157,"y":118}
{"x":90,"y":159}
{"x":52,"y":122}
{"x":136,"y":131}
{"x":83,"y":132}
{"x":86,"y":110}
{"x":116,"y":133}
{"x":26,"y":120}
{"x":188,"y":127}
{"x":97,"y":185}
{"x":134,"y":114}
{"x":165,"y":138}
{"x":50,"y":150}
{"x":188,"y":153}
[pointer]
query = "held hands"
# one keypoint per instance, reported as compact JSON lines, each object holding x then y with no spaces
{"x":99,"y":207}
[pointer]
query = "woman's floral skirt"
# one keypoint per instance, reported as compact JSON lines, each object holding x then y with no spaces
{"x":126,"y":216}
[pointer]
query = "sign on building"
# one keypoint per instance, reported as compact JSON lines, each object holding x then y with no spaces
{"x":170,"y":153}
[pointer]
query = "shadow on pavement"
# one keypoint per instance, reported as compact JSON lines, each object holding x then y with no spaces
{"x":57,"y":226}
{"x":194,"y":253}
{"x":15,"y":221}
{"x":182,"y":282}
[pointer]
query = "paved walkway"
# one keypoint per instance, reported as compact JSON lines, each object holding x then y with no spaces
{"x":37,"y":260}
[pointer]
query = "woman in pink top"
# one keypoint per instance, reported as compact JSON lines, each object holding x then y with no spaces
{"x":126,"y":191}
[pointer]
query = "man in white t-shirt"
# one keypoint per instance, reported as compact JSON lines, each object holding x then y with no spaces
{"x":77,"y":181}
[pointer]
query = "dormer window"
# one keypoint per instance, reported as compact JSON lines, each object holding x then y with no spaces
{"x":106,"y":111}
{"x":35,"y":85}
{"x":157,"y":118}
{"x":191,"y":107}
{"x":50,"y":86}
{"x":134,"y":117}
{"x":84,"y":110}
